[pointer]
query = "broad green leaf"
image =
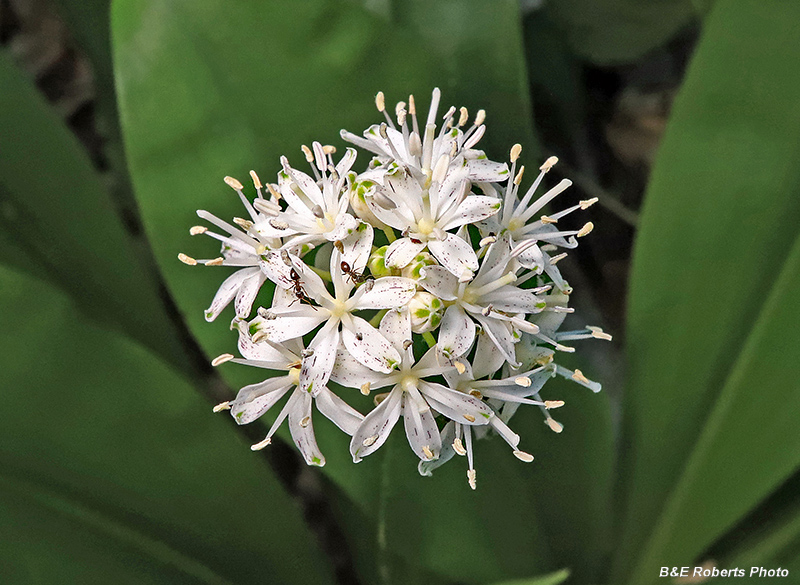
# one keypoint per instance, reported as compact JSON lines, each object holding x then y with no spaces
{"x":108,"y":455}
{"x":609,"y":32}
{"x":764,"y":545}
{"x":62,"y":224}
{"x":551,"y":579}
{"x":710,"y":279}
{"x":207,"y":92}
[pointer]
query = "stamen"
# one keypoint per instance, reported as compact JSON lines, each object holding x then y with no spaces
{"x":279,"y":224}
{"x":256,"y":181}
{"x":222,"y":406}
{"x":380,"y":101}
{"x":579,"y":377}
{"x":329,"y":149}
{"x":476,"y":393}
{"x":523,"y":381}
{"x":469,"y":417}
{"x":369,"y":440}
{"x":546,"y":220}
{"x":462,"y":119}
{"x":427,"y":451}
{"x":308,"y":154}
{"x":550,"y":404}
{"x":221,"y":359}
{"x":245,"y":224}
{"x":233,"y":183}
{"x":261,"y":445}
{"x":197,"y":230}
{"x":523,"y":456}
{"x":471,"y":474}
{"x":556,"y":259}
{"x":598,"y":333}
{"x":259,"y":335}
{"x":554,"y":425}
{"x":487,"y":240}
{"x":365,"y":387}
{"x":188,"y":260}
{"x":516,"y":150}
{"x":458,"y":447}
{"x":407,"y":343}
{"x":219,"y":261}
{"x":480,"y":117}
{"x":586,"y":229}
{"x":487,"y":311}
{"x":518,"y":178}
{"x":305,"y":422}
{"x":586,"y":204}
{"x":549,"y":164}
{"x":318,"y":212}
{"x":460,"y":367}
{"x":307,"y":353}
{"x":274,"y":191}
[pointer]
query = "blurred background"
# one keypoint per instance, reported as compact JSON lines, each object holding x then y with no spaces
{"x":119,"y":119}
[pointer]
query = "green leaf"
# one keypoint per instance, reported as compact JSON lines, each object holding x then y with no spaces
{"x":113,"y":467}
{"x":61,"y":223}
{"x":551,"y":579}
{"x":712,"y":280}
{"x":609,"y":32}
{"x":207,"y":92}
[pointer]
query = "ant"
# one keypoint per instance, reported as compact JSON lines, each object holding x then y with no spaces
{"x":354,"y":276}
{"x":299,"y":291}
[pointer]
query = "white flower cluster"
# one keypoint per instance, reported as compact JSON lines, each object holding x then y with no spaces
{"x":426,"y":277}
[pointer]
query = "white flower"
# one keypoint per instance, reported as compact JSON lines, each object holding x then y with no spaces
{"x":256,"y":399}
{"x":241,"y":248}
{"x":416,"y":398}
{"x":317,"y":207}
{"x":491,"y":299}
{"x":336,"y":311}
{"x":421,"y":187}
{"x":523,"y":233}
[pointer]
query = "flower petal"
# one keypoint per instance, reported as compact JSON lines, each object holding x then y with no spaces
{"x":396,"y":327}
{"x":500,"y":333}
{"x":454,"y":254}
{"x":485,"y":171}
{"x":488,"y":358}
{"x":338,"y":411}
{"x":254,"y":400}
{"x":421,"y":429}
{"x":276,"y":269}
{"x":472,"y":209}
{"x":512,"y":299}
{"x":456,"y":332}
{"x":440,"y":282}
{"x":373,"y":432}
{"x":368,"y":345}
{"x":316,"y":368}
{"x":388,"y":292}
{"x":358,"y":246}
{"x":345,"y":225}
{"x":458,"y":406}
{"x":227,"y":291}
{"x":292,"y":322}
{"x":348,"y":371}
{"x":302,"y":430}
{"x":402,"y":251}
{"x":247,"y":294}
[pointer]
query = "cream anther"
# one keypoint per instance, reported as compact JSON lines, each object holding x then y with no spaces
{"x":221,"y":359}
{"x":222,"y":406}
{"x":549,"y":164}
{"x":188,"y":260}
{"x":233,"y":183}
{"x":197,"y":230}
{"x":523,"y":456}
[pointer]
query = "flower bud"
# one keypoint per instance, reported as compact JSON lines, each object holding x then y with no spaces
{"x":426,"y":312}
{"x":419,"y":262}
{"x":377,"y":264}
{"x":358,"y":201}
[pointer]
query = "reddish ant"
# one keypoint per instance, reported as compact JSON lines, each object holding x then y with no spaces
{"x":354,"y":276}
{"x":298,"y":289}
